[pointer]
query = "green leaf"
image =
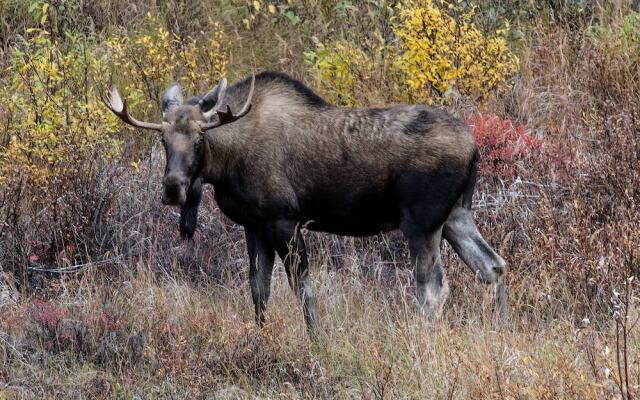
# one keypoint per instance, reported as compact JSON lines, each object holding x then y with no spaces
{"x":294,"y":19}
{"x":44,"y":16}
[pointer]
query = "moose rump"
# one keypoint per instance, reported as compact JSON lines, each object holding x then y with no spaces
{"x":288,"y":159}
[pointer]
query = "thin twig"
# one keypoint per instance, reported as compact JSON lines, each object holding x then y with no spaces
{"x":73,"y":268}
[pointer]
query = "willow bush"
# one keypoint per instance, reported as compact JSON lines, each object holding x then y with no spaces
{"x":443,"y":49}
{"x":53,"y":116}
{"x":340,"y":68}
{"x":153,"y":58}
{"x":56,"y":135}
{"x":438,"y":49}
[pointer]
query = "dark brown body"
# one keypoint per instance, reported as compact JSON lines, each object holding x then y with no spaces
{"x":344,"y":171}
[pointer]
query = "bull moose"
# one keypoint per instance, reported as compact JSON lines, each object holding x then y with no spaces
{"x":286,"y":159}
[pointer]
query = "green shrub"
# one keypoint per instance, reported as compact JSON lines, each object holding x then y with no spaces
{"x":620,"y":37}
{"x":340,"y":70}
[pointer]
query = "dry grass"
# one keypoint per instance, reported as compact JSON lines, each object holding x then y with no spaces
{"x":163,"y":336}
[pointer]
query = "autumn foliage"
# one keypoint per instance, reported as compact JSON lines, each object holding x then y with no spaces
{"x":436,"y":53}
{"x":444,"y":50}
{"x":504,"y":145}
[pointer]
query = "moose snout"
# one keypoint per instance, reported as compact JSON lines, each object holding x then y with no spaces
{"x":501,"y":267}
{"x":494,"y":270}
{"x":175,"y":190}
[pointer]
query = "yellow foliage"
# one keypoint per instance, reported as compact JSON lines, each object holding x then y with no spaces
{"x":442,"y":49}
{"x":439,"y":49}
{"x":340,"y":70}
{"x":54,"y":119}
{"x":153,"y":58}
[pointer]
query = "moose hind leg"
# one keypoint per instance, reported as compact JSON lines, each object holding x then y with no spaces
{"x":261,"y":256}
{"x":431,"y":284}
{"x":463,"y":235}
{"x":289,"y":243}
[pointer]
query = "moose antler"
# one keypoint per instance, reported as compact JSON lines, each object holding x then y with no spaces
{"x":118,"y":106}
{"x":226,"y":117}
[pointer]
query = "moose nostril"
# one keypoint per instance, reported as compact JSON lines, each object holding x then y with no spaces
{"x":171,"y":180}
{"x":171,"y":190}
{"x":500,"y":268}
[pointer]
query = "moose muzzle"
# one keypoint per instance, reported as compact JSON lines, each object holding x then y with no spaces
{"x":174,"y":190}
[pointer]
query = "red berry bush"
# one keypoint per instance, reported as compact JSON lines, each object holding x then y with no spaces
{"x":504,"y":145}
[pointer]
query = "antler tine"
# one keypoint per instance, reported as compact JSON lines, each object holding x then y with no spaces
{"x":247,"y":104}
{"x":118,"y":106}
{"x":226,"y":116}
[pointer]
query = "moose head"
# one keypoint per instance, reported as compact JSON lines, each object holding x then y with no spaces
{"x":183,"y":127}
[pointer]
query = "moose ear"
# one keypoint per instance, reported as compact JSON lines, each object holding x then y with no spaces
{"x":213,"y":100}
{"x":171,"y":97}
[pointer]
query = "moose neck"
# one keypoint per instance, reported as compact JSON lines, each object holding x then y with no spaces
{"x":218,"y":153}
{"x":224,"y":143}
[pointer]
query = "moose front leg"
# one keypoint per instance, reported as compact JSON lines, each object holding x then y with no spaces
{"x":286,"y":238}
{"x":261,"y":256}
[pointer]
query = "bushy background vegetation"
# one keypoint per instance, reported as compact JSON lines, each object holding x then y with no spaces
{"x":100,"y":298}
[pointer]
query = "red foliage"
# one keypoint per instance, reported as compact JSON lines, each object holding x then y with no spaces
{"x":502,"y":144}
{"x":104,"y":322}
{"x":40,"y":252}
{"x":57,"y":331}
{"x":48,"y":315}
{"x":9,"y":317}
